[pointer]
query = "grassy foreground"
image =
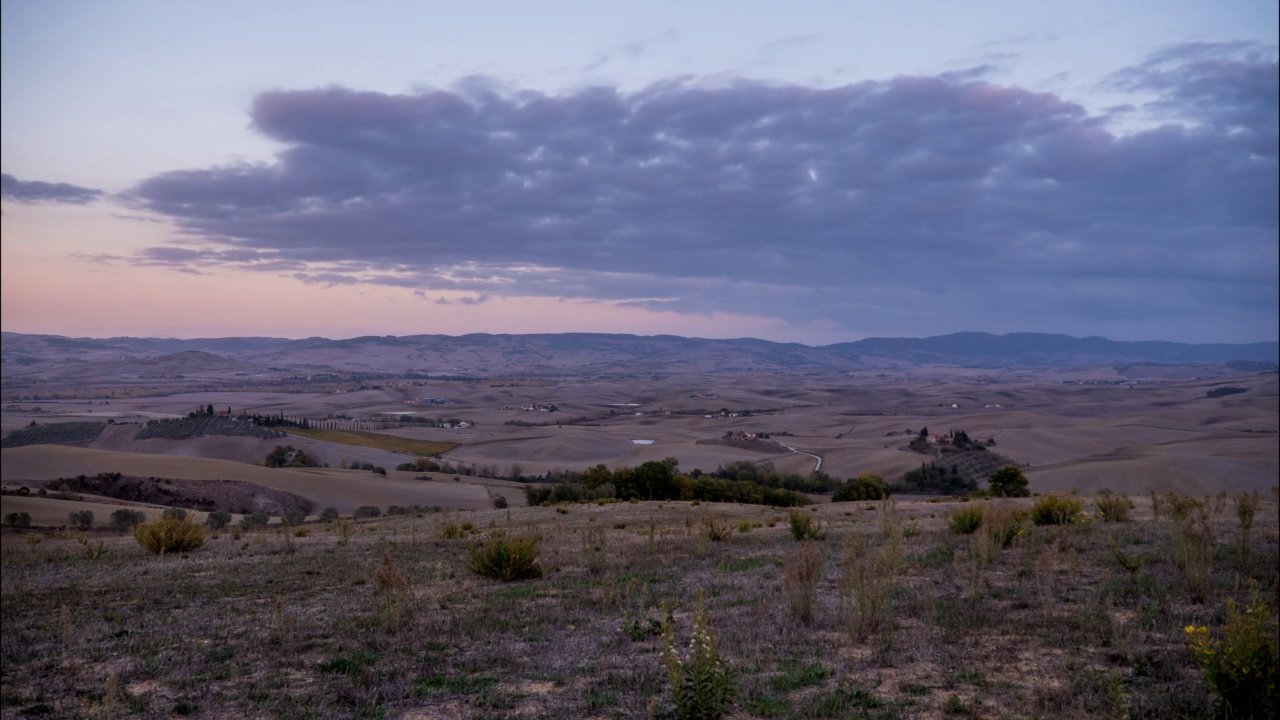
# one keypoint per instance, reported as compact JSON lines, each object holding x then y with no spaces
{"x":420,"y":448}
{"x":889,"y":614}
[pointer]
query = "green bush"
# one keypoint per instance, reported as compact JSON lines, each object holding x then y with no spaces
{"x":218,"y":519}
{"x":17,"y":519}
{"x":368,"y":511}
{"x":1112,"y":507}
{"x":176,"y":513}
{"x":506,"y":559}
{"x":1055,"y":509}
{"x":169,"y":534}
{"x":804,"y":528}
{"x":966,"y":520}
{"x":122,"y":520}
{"x":329,"y":514}
{"x":81,"y":520}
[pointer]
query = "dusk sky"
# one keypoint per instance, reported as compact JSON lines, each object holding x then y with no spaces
{"x":814,"y":171}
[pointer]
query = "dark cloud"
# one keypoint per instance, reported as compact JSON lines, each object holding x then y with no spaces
{"x":33,"y":191}
{"x":911,"y":205}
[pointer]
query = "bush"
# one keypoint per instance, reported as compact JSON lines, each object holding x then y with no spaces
{"x":169,"y":534}
{"x":1112,"y":507}
{"x":804,"y":528}
{"x":1241,"y":667}
{"x":122,"y":520}
{"x":82,"y":520}
{"x":18,"y":519}
{"x":295,"y":516}
{"x":506,"y":559}
{"x":329,"y":514}
{"x":867,"y":486}
{"x":1008,"y":481}
{"x":256,"y":520}
{"x":176,"y":513}
{"x":368,"y":511}
{"x":218,"y":519}
{"x":1054,"y":509}
{"x":966,"y":520}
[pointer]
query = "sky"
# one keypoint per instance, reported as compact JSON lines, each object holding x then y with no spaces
{"x":814,"y":171}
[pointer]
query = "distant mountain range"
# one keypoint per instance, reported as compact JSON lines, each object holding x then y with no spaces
{"x":484,"y":353}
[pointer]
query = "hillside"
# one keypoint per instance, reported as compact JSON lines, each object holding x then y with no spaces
{"x":603,"y":353}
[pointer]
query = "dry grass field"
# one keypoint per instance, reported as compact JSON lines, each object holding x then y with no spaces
{"x":890,"y":614}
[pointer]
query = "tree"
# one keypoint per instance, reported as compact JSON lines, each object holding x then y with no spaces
{"x":867,"y":486}
{"x":1008,"y":481}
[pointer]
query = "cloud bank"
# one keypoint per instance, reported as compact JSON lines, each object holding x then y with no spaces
{"x":34,"y":191}
{"x":921,"y":204}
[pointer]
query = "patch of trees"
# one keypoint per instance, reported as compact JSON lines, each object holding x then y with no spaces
{"x":658,"y":480}
{"x":934,"y":479}
{"x":1225,"y":391}
{"x":289,"y":456}
{"x":194,"y":426}
{"x":767,"y":475}
{"x":69,"y":433}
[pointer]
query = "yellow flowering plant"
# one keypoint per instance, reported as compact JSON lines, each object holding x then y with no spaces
{"x":1240,"y":667}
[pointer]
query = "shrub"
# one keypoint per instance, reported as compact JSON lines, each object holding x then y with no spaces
{"x":368,"y":511}
{"x":506,"y":559}
{"x":294,"y":516}
{"x":1240,"y":668}
{"x":701,"y":686}
{"x":218,"y":519}
{"x":253,"y":521}
{"x":966,"y":520}
{"x":1008,"y":481}
{"x":122,"y":520}
{"x":176,"y":513}
{"x":804,"y":528}
{"x":169,"y":534}
{"x":1112,"y":507}
{"x":1055,"y":509}
{"x":81,"y":520}
{"x":18,"y":519}
{"x":1003,"y":524}
{"x":329,"y":514}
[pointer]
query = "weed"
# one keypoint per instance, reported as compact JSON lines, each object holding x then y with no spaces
{"x":169,"y":534}
{"x":714,"y":529}
{"x":966,"y":520}
{"x":866,"y":585}
{"x":801,"y":576}
{"x":701,"y":685}
{"x":506,"y":559}
{"x":804,"y":527}
{"x":1113,"y":507}
{"x":1055,"y":509}
{"x":92,"y":550}
{"x":1246,"y":508}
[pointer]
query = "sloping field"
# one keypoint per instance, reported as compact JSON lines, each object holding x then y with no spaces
{"x":343,"y":489}
{"x":380,"y":441}
{"x":47,"y":512}
{"x":1200,"y":467}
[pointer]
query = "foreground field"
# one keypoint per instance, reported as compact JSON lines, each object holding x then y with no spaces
{"x":392,"y":624}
